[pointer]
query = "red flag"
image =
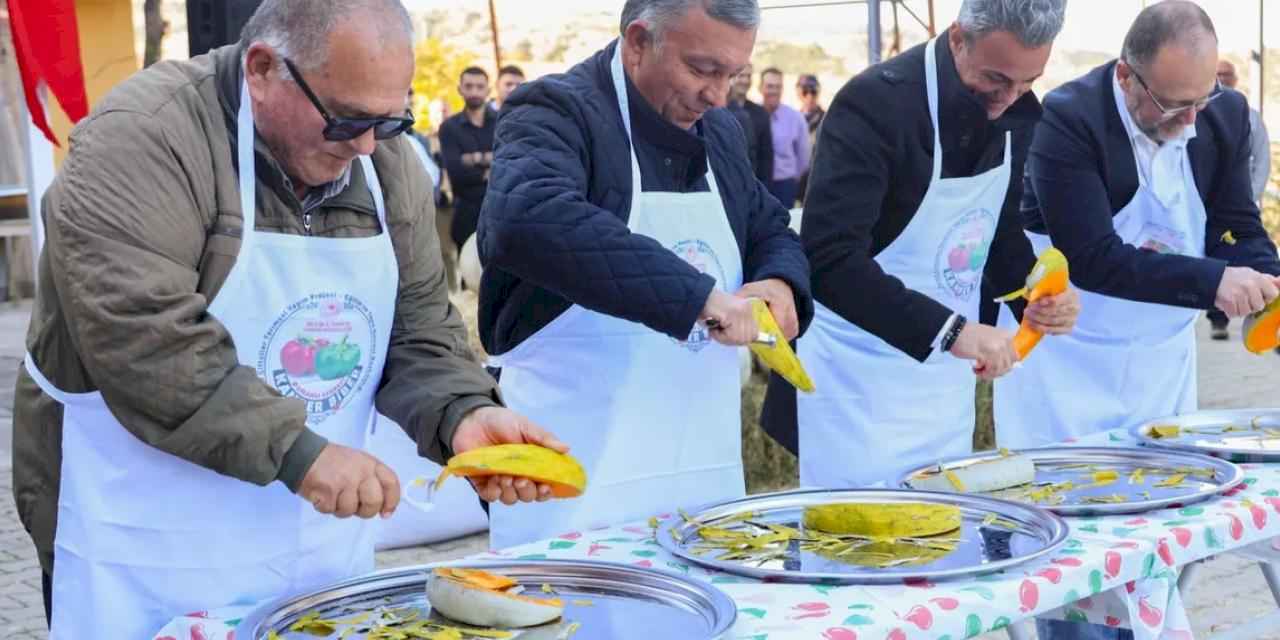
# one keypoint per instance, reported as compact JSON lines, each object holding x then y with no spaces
{"x":47,"y":42}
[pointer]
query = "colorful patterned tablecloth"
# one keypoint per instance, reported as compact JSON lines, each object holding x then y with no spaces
{"x":1117,"y":571}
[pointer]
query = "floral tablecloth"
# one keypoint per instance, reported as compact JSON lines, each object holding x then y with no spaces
{"x":1117,"y":571}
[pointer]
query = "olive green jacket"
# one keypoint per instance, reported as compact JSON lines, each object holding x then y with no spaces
{"x":143,"y":225}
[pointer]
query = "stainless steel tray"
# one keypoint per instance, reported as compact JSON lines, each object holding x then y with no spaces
{"x":606,"y":600}
{"x":1258,"y":441}
{"x":984,"y":546}
{"x":1157,"y":463}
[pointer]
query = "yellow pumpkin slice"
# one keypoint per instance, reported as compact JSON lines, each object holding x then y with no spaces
{"x":560,"y":471}
{"x":778,"y":356}
{"x":472,"y":597}
{"x":1262,"y":329}
{"x":883,"y":519}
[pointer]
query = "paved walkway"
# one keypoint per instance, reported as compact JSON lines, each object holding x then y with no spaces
{"x":1229,"y":590}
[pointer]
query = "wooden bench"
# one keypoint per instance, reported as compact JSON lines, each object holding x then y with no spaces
{"x":10,"y":230}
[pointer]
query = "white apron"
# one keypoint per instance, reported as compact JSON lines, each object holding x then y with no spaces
{"x":656,"y":422}
{"x":876,"y":410}
{"x":144,"y":535}
{"x":1125,"y":362}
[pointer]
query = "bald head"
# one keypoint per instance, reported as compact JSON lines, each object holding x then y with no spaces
{"x":1227,"y":74}
{"x":1170,"y":23}
{"x":300,"y":29}
{"x":354,"y":57}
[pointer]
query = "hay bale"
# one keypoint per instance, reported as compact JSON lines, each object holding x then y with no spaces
{"x":469,"y":265}
{"x":468,"y":305}
{"x":769,"y":467}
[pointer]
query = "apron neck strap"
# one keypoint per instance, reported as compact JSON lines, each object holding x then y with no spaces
{"x":248,"y":170}
{"x":931,"y":90}
{"x":375,"y":190}
{"x":249,"y":174}
{"x":624,"y":106}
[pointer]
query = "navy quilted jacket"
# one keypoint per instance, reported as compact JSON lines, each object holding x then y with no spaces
{"x":553,"y":229}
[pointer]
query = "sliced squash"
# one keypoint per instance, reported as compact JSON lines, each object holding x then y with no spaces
{"x":560,"y":471}
{"x":484,"y":599}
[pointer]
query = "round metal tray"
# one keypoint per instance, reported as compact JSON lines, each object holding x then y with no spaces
{"x":1124,"y":460}
{"x":984,"y":547}
{"x":1251,"y":445}
{"x":607,"y":600}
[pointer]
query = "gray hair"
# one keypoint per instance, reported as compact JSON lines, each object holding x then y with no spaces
{"x":1165,"y":23}
{"x":299,"y":29}
{"x":658,"y":14}
{"x":1035,"y":23}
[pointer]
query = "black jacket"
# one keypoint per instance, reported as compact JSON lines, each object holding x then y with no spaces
{"x":1082,"y":172}
{"x":553,"y":229}
{"x":457,"y":137}
{"x":872,"y":166}
{"x":759,"y":130}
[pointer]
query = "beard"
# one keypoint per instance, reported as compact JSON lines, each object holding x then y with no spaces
{"x":474,"y":103}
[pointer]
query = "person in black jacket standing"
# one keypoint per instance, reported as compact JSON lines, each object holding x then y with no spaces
{"x":466,"y":142}
{"x":622,"y":218}
{"x":755,"y":123}
{"x":1140,"y":174}
{"x":910,"y":209}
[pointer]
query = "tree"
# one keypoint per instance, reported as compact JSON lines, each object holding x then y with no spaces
{"x":438,"y":66}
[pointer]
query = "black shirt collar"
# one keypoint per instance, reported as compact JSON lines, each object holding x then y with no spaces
{"x":489,"y":121}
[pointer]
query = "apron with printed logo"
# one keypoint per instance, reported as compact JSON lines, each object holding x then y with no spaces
{"x":656,"y":422}
{"x":877,"y":411}
{"x":144,"y":535}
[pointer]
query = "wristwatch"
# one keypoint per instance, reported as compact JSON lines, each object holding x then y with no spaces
{"x":954,"y":332}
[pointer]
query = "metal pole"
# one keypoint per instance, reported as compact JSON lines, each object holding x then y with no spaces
{"x":873,"y":32}
{"x":40,"y":172}
{"x":897,"y":31}
{"x":933,"y":27}
{"x":497,"y":50}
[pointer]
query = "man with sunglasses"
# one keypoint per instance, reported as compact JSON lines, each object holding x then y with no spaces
{"x":241,"y":265}
{"x":1139,"y":173}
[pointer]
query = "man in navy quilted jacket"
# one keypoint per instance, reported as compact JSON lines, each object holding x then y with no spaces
{"x":622,"y":235}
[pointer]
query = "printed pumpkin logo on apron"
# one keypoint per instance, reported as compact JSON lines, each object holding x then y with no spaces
{"x":320,"y":349}
{"x":963,"y":253}
{"x":702,"y":257}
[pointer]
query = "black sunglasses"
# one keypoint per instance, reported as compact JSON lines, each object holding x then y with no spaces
{"x":1168,"y":113}
{"x":338,"y":129}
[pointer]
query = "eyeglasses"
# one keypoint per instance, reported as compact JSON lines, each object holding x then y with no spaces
{"x":1170,"y":113}
{"x":340,"y":129}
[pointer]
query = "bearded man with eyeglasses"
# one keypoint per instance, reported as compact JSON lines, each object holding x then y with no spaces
{"x":241,"y":267}
{"x":1139,"y":173}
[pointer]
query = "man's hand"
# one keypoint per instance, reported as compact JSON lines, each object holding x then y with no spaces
{"x":488,"y":426}
{"x":1243,"y":291}
{"x":346,"y":482}
{"x":735,"y":324}
{"x":1054,"y":315}
{"x":990,"y":348}
{"x":782,"y":303}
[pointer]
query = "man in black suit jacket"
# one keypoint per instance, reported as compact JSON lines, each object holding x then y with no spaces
{"x":1139,"y":173}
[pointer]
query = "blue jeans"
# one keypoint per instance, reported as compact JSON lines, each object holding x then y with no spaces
{"x":1063,"y":630}
{"x":785,"y":191}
